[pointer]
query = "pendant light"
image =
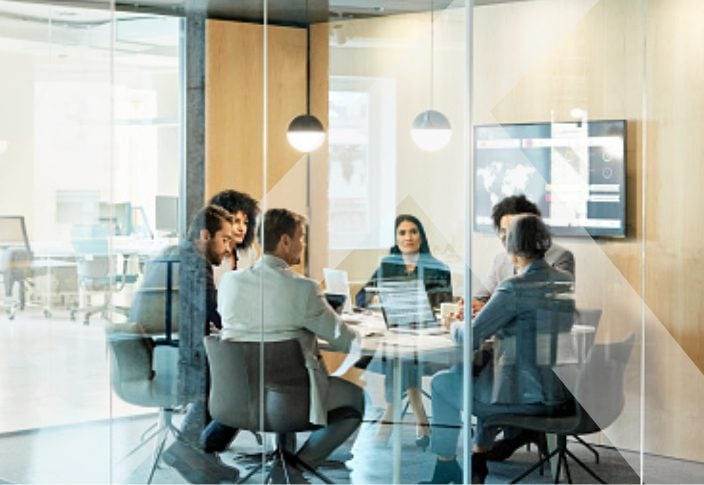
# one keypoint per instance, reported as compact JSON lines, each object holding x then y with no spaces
{"x":431,"y":130}
{"x":305,"y":132}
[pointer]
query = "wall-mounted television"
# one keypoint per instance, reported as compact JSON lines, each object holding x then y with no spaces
{"x":575,"y":172}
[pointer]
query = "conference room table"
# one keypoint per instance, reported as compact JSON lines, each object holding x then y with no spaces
{"x":429,"y":345}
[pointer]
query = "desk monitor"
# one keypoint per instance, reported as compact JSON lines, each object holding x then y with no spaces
{"x":13,"y":232}
{"x":337,"y":281}
{"x":77,"y":206}
{"x":166,"y":214}
{"x":405,"y":304}
{"x":140,"y":223}
{"x":118,"y":217}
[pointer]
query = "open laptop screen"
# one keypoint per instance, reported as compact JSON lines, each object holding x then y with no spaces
{"x":405,"y":304}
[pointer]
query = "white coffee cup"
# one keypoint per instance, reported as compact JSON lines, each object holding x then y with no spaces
{"x":447,"y":308}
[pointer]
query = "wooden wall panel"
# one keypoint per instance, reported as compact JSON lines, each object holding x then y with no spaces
{"x":235,"y":98}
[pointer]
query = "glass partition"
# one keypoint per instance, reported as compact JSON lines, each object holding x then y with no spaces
{"x":396,"y":242}
{"x":402,"y":313}
{"x":89,"y":139}
{"x":559,"y":110}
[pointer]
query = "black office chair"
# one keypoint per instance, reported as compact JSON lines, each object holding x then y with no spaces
{"x":599,"y":395}
{"x":236,"y":398}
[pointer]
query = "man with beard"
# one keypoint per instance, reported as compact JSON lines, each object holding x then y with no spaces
{"x":208,"y":242}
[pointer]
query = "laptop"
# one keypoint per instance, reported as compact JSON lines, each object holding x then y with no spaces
{"x":405,"y":306}
{"x":336,"y":301}
{"x":337,"y":282}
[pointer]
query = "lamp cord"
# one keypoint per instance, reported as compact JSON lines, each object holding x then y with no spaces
{"x":307,"y":61}
{"x":432,"y":50}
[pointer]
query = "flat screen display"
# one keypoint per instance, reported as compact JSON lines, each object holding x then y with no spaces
{"x":574,"y":172}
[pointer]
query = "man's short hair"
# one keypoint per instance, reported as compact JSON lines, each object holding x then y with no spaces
{"x":510,"y":206}
{"x":276,"y":223}
{"x":211,"y":218}
{"x":234,"y":201}
{"x":528,"y":237}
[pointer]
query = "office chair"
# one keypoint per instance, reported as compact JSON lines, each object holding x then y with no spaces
{"x":156,"y":303}
{"x":236,"y":398}
{"x":15,"y":262}
{"x":599,"y":400}
{"x":98,"y":269}
{"x":145,"y":374}
{"x":589,"y":317}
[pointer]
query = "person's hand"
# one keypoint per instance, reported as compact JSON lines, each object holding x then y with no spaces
{"x":477,"y":306}
{"x":460,"y":310}
{"x":452,"y":317}
{"x":213,"y":328}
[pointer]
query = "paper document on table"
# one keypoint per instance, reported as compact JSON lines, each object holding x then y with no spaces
{"x":352,"y":356}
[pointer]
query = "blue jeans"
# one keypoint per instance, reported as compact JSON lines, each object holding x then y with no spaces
{"x":447,"y":414}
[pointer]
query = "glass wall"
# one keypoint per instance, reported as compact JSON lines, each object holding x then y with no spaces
{"x":397,"y":220}
{"x":447,"y":329}
{"x":89,"y":142}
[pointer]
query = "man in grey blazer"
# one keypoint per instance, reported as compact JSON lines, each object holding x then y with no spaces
{"x":271,"y":302}
{"x":557,"y":257}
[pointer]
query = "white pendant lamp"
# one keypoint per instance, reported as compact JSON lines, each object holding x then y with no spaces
{"x":431,"y":130}
{"x":305,"y":132}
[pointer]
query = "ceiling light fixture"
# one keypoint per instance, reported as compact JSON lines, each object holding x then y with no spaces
{"x":431,"y":130}
{"x":305,"y":132}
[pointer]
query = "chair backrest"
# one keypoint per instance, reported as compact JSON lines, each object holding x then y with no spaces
{"x":599,"y":389}
{"x":150,"y":306}
{"x":239,"y":385}
{"x":588,"y":316}
{"x":140,"y":373}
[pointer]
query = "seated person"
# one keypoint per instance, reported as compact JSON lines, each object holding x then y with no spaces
{"x":502,"y":268}
{"x":295,"y":308}
{"x":518,"y":379}
{"x":409,"y":259}
{"x":244,"y":210}
{"x":208,"y":242}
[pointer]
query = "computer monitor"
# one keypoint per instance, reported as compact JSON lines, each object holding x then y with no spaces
{"x":166,"y":219}
{"x":118,"y":217}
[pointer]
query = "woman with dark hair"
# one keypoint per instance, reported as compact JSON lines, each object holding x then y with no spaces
{"x":245,"y":210}
{"x":409,"y":260}
{"x":524,"y":315}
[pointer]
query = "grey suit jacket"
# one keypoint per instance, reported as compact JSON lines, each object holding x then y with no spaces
{"x":525,"y":314}
{"x":270,"y":302}
{"x":557,"y":257}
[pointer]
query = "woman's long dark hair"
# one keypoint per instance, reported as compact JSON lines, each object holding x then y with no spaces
{"x":424,"y":248}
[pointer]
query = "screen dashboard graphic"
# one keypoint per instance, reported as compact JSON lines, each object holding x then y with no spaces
{"x":574,"y":172}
